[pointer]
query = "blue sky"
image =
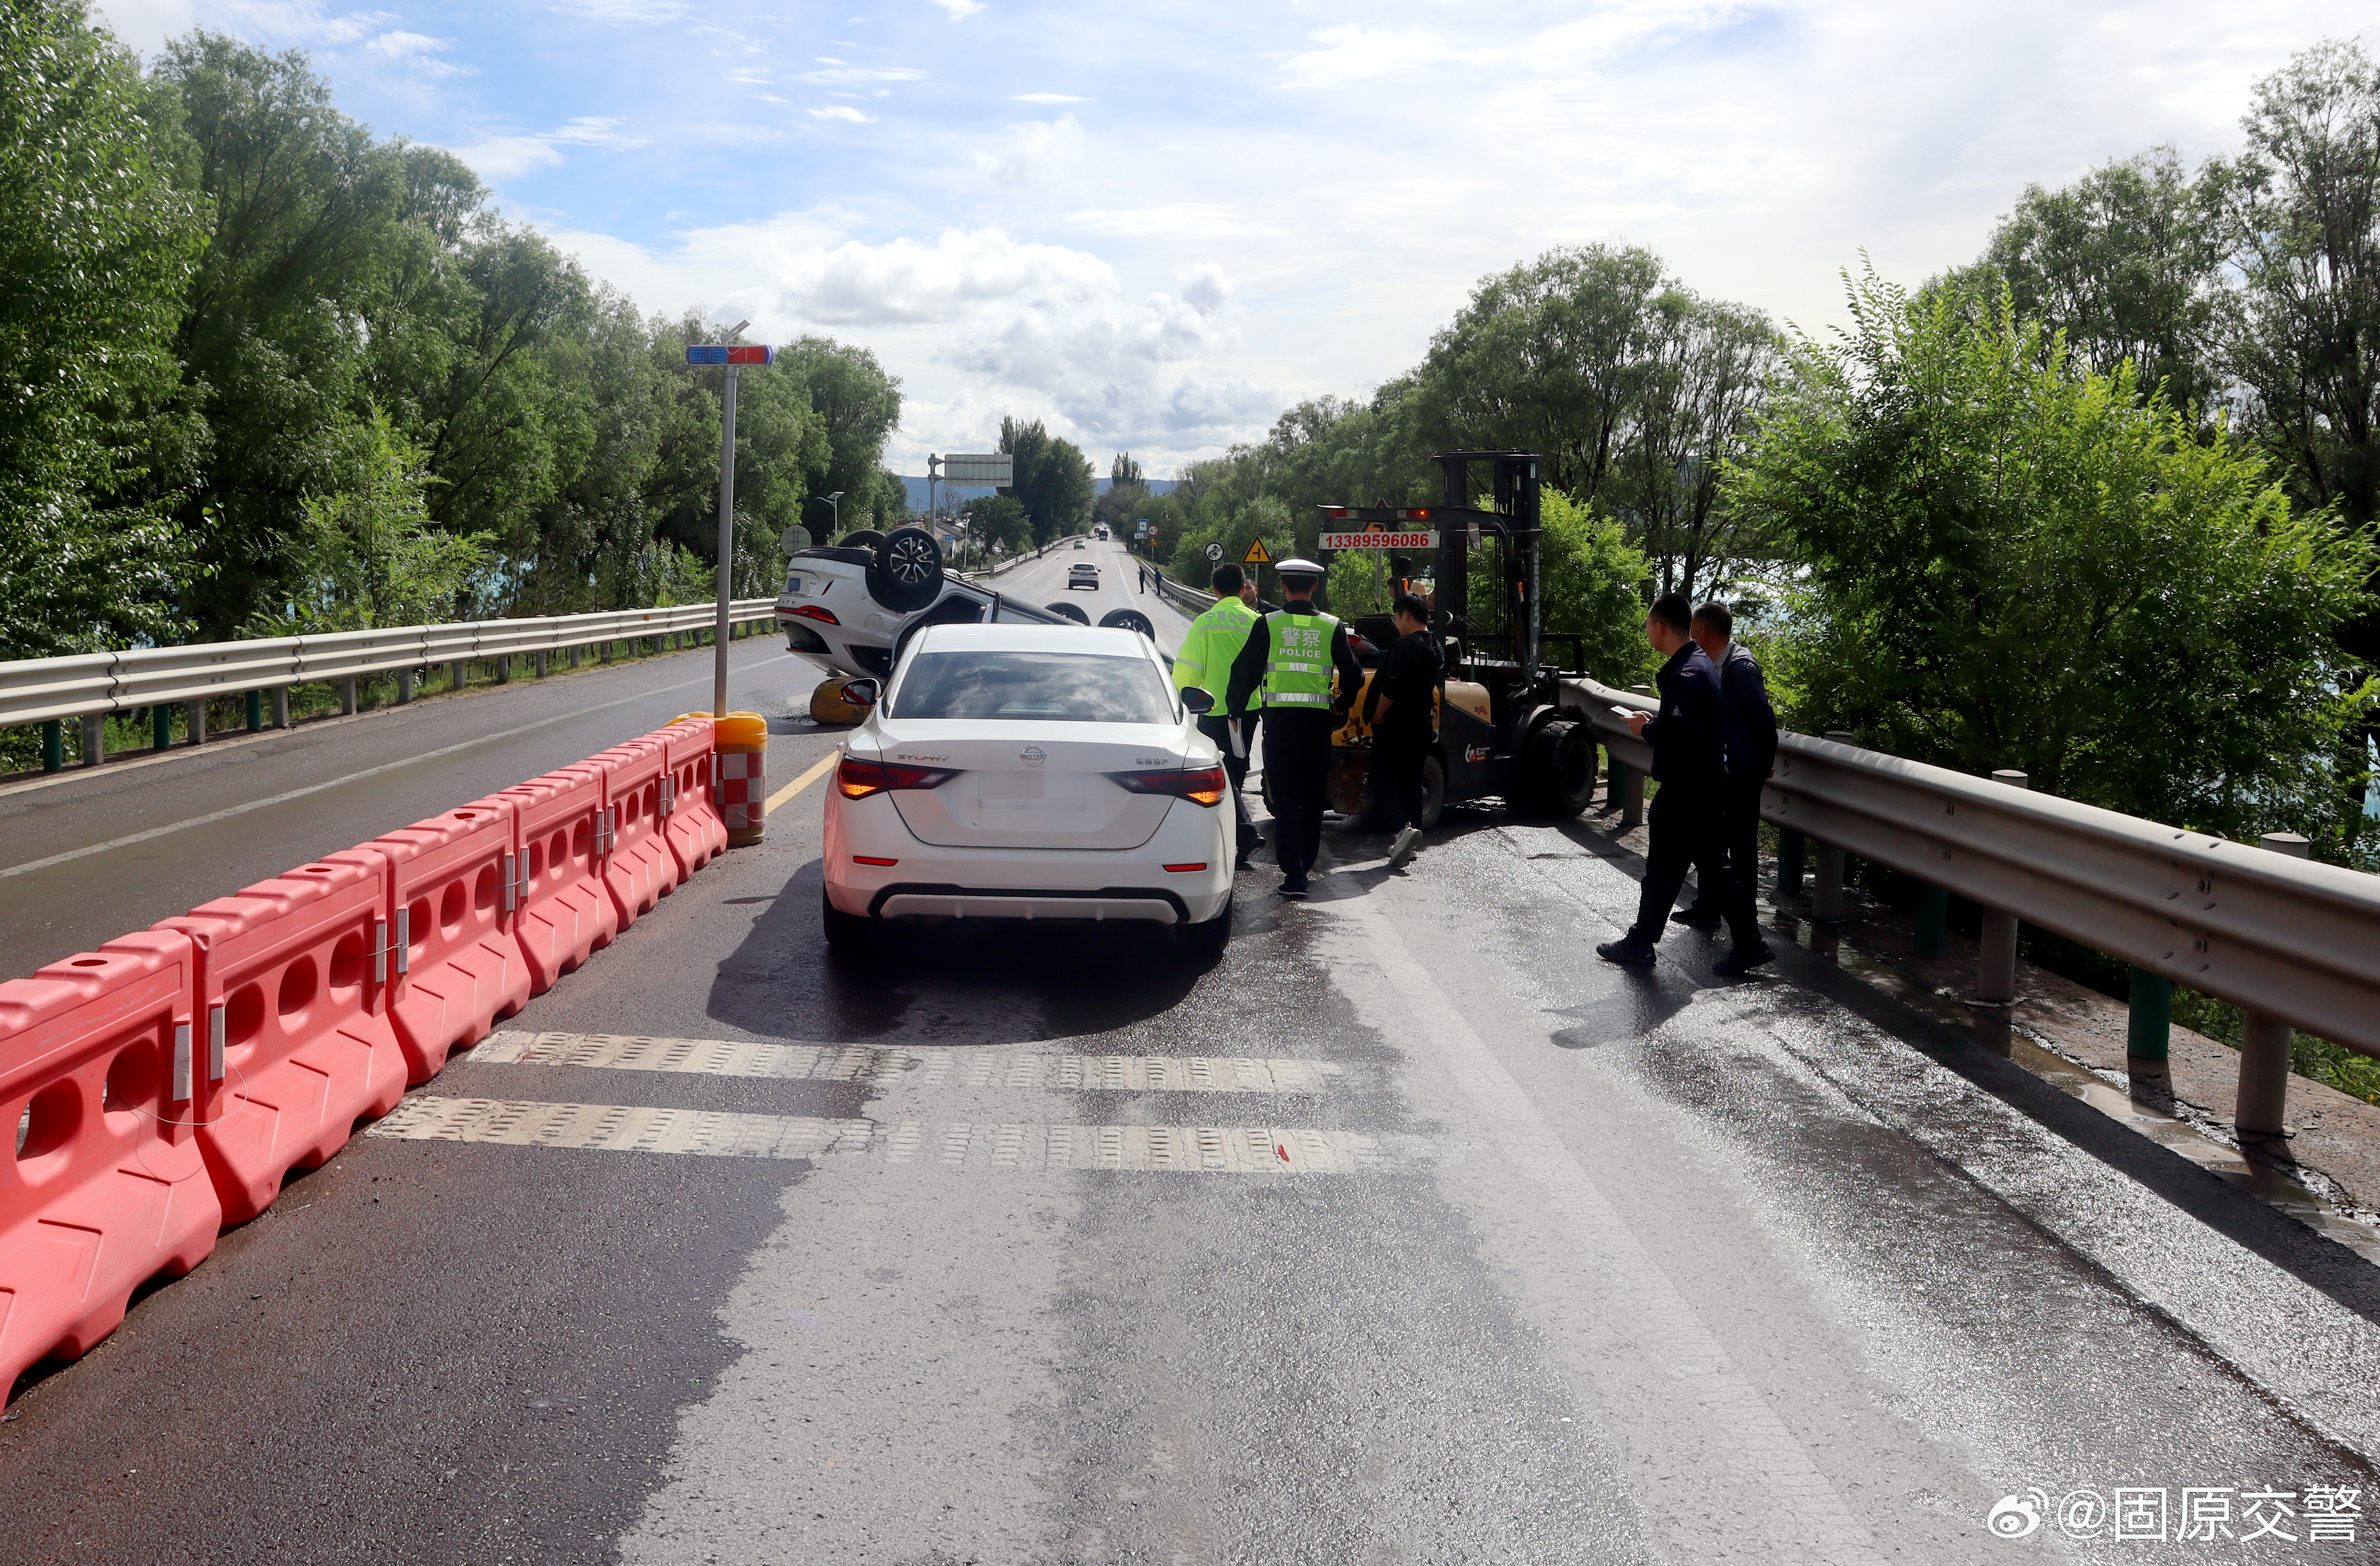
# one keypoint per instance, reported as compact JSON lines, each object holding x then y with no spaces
{"x":1156,"y":226}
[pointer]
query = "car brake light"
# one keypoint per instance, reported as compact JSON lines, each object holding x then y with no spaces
{"x":858,"y":778}
{"x":872,"y":859}
{"x":1199,"y":785}
{"x":816,"y":612}
{"x":1177,"y":869}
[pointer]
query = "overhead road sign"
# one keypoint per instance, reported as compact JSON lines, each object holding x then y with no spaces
{"x":1378,"y":539}
{"x":730,"y":353}
{"x":1257,"y":554}
{"x":996,"y":469}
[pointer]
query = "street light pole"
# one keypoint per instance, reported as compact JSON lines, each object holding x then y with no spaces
{"x":726,"y":541}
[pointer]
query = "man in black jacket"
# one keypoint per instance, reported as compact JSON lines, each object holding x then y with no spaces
{"x":1400,"y":717}
{"x":1748,"y":730}
{"x":1690,"y":763}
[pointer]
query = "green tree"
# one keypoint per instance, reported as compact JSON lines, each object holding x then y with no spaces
{"x":2000,"y":558}
{"x":1054,"y":479}
{"x":859,"y":407}
{"x":97,"y":245}
{"x":369,"y":556}
{"x":2125,"y":264}
{"x":779,"y":439}
{"x":998,"y":519}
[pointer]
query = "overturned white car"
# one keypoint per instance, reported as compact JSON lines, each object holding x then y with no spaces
{"x":857,"y":604}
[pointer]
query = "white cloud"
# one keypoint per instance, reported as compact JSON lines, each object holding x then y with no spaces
{"x":1050,"y":98}
{"x":501,"y":157}
{"x":959,"y":10}
{"x":1358,"y":53}
{"x":622,"y":13}
{"x":1172,"y":220}
{"x":1032,"y":151}
{"x":419,"y":51}
{"x":843,"y":112}
{"x":837,"y":74}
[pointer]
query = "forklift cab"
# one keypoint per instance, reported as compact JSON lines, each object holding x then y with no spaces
{"x":1501,"y":730}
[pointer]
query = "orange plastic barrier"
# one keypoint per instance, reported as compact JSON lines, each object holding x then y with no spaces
{"x":742,"y":789}
{"x":454,"y":887}
{"x":565,"y":915}
{"x":690,"y":812}
{"x":107,"y":1188}
{"x":640,"y":869}
{"x":293,"y":986}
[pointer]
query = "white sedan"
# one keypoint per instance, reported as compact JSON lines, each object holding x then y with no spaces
{"x":1029,"y":772}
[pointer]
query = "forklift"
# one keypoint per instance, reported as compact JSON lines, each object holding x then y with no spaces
{"x":1502,"y":728}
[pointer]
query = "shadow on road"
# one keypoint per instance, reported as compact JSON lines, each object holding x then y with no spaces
{"x":943,"y":985}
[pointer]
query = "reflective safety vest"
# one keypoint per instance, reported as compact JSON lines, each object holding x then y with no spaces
{"x":1213,"y":640}
{"x":1297,"y":665}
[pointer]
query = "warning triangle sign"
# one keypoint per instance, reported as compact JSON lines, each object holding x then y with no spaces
{"x":1257,"y":554}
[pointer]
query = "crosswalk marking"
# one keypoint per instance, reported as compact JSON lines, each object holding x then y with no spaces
{"x":995,"y":1145}
{"x":969,"y":1068}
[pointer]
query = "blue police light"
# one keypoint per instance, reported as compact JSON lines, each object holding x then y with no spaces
{"x":726,"y":353}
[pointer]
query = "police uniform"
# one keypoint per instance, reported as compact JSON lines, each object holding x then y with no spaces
{"x":1210,"y":644}
{"x":1284,"y":671}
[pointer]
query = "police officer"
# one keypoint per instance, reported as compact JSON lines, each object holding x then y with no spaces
{"x":1213,"y":640}
{"x":1748,"y":730}
{"x":1285,"y":669}
{"x":1685,"y":822}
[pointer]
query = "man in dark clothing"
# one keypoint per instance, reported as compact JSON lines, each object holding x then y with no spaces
{"x":1690,"y":762}
{"x":1399,"y":715}
{"x":1286,"y":669}
{"x":1748,"y":730}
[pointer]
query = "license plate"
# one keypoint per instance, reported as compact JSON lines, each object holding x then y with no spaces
{"x":793,"y":586}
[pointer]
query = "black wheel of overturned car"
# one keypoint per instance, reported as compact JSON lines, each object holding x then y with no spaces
{"x":847,"y":933}
{"x":1205,"y":942}
{"x":1558,"y":769}
{"x":1069,"y":611}
{"x":908,"y":574}
{"x":1129,"y":619}
{"x":859,"y":538}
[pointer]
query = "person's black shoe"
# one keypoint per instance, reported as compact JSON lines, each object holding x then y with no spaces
{"x":1627,"y":951}
{"x":1294,"y":894}
{"x":1248,"y":851}
{"x":1695,"y":919}
{"x":1743,"y":960}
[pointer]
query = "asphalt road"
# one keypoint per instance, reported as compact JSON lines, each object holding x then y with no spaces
{"x":1044,"y":581}
{"x":1408,"y":1234}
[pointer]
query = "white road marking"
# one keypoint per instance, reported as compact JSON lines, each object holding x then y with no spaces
{"x":283,"y":799}
{"x":1009,"y":1145}
{"x":1007,"y":1069}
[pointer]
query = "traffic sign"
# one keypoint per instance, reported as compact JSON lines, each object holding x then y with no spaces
{"x":1257,"y":554}
{"x":1214,"y":553}
{"x":730,"y":353}
{"x":1378,"y":539}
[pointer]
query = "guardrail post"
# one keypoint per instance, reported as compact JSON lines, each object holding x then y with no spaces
{"x":540,"y":662}
{"x":95,"y":739}
{"x":161,"y":726}
{"x":348,"y":696}
{"x":1932,"y":935}
{"x":1827,"y":897}
{"x":462,"y":672}
{"x":255,"y":712}
{"x":504,"y":669}
{"x":403,"y":686}
{"x":1996,"y":970}
{"x":2265,"y":1041}
{"x":54,"y":746}
{"x":2148,"y":1035}
{"x":1788,"y":861}
{"x":1615,"y":780}
{"x":281,"y":706}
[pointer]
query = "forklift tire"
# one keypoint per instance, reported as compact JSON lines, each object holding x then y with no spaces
{"x":1433,"y":791}
{"x":1558,"y":769}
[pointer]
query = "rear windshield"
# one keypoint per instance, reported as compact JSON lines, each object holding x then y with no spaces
{"x":1054,"y":687}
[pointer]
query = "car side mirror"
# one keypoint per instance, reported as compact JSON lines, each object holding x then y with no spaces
{"x":861,"y":692}
{"x":1198,"y":700}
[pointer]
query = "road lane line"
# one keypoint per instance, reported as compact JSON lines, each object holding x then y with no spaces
{"x":1276,"y":1150}
{"x":829,"y":1062}
{"x":1624,"y":1303}
{"x":271,"y":800}
{"x":798,"y":783}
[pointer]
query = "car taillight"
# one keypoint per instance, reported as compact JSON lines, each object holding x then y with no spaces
{"x":816,"y":612}
{"x":1199,"y":785}
{"x":858,"y":778}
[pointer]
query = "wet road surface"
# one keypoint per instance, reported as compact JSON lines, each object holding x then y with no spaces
{"x":1407,"y":1233}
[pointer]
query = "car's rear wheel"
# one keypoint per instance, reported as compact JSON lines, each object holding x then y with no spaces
{"x":908,"y":574}
{"x":1129,"y":619}
{"x":859,"y":538}
{"x":849,"y":932}
{"x":1205,"y":942}
{"x":1069,"y":611}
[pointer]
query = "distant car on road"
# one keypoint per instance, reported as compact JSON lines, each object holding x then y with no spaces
{"x":1031,"y":773}
{"x":1083,"y":574}
{"x":1080,"y":544}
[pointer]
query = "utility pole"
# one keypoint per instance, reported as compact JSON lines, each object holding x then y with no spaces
{"x":733,"y":356}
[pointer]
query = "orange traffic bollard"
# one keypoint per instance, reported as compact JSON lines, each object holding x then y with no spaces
{"x":743,"y":777}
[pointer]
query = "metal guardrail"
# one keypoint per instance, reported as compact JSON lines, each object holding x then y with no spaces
{"x":1189,"y":598}
{"x":87,"y":684}
{"x":2286,"y":937}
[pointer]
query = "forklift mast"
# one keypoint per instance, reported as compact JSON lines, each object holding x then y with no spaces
{"x":1516,"y":516}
